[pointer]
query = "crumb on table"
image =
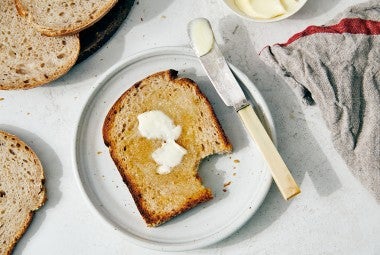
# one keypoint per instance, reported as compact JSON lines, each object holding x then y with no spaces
{"x":227,"y":184}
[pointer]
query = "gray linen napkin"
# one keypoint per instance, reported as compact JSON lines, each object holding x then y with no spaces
{"x":337,"y":66}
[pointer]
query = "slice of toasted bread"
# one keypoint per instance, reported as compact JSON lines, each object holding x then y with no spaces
{"x":22,"y":189}
{"x":161,"y":197}
{"x":63,"y":17}
{"x":29,"y":59}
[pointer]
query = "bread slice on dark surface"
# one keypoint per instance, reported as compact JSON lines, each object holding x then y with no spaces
{"x":22,"y":189}
{"x":27,"y":58}
{"x":63,"y":17}
{"x":161,"y":197}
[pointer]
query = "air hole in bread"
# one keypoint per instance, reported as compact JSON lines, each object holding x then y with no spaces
{"x":12,"y":152}
{"x":61,"y":14}
{"x":2,"y":194}
{"x":46,"y":76}
{"x":12,"y":53}
{"x":26,"y":81}
{"x":21,"y":71}
{"x":42,"y":64}
{"x":60,"y":56}
{"x":64,"y":42}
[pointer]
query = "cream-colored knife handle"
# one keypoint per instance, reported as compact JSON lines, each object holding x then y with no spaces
{"x":280,"y":173}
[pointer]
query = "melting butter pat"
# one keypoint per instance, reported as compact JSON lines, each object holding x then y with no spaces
{"x":264,"y":9}
{"x":202,"y":36}
{"x":157,"y":125}
{"x":169,"y":155}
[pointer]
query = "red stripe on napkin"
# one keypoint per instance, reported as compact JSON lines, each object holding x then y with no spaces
{"x":352,"y":26}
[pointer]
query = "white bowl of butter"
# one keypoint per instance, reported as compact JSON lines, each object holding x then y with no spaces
{"x":265,"y":10}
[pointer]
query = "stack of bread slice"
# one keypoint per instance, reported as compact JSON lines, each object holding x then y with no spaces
{"x":39,"y":40}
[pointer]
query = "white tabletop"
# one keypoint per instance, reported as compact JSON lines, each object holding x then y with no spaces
{"x":334,"y":214}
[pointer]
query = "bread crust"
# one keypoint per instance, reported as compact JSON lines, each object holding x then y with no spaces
{"x":157,"y":219}
{"x":71,"y":28}
{"x":42,"y":194}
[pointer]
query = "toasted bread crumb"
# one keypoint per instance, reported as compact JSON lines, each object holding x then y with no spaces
{"x":227,"y":184}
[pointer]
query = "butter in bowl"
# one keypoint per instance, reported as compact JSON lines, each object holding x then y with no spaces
{"x":265,"y":10}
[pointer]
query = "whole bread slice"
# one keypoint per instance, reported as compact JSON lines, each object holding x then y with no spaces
{"x":27,"y":58}
{"x":161,"y":197}
{"x":63,"y":17}
{"x":22,"y":189}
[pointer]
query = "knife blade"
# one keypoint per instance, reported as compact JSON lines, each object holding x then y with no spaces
{"x":218,"y":71}
{"x":213,"y":62}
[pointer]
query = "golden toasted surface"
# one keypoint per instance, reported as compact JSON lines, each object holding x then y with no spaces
{"x":161,"y":197}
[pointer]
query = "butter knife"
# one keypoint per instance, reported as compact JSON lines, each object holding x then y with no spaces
{"x":211,"y":58}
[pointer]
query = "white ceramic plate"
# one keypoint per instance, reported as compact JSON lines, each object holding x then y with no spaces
{"x":209,"y":222}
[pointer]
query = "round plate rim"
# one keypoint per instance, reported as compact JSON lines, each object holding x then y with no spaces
{"x":103,"y":79}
